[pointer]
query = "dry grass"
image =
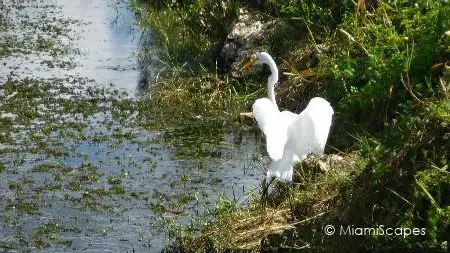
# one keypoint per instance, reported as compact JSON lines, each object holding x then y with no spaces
{"x":245,"y":229}
{"x":189,"y":96}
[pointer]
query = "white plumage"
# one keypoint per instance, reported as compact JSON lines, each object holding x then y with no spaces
{"x":290,"y":137}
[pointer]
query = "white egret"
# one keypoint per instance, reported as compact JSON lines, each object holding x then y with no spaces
{"x":290,"y":137}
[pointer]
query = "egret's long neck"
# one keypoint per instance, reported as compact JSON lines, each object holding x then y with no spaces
{"x":271,"y":81}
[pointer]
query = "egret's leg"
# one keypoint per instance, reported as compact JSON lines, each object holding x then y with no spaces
{"x":290,"y":192}
{"x":265,"y":190}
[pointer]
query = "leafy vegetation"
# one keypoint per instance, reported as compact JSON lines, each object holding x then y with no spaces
{"x":384,"y":66}
{"x":190,"y":31}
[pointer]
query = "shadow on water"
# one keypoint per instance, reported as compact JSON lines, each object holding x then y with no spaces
{"x":148,"y":61}
{"x":78,"y":172}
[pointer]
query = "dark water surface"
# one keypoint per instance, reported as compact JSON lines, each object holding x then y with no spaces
{"x":84,"y":179}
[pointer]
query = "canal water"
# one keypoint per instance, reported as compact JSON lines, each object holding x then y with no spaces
{"x":76,"y":175}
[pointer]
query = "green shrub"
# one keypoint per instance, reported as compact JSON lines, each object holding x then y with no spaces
{"x":381,"y":64}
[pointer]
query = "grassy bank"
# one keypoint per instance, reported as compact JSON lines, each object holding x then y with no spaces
{"x":383,"y":65}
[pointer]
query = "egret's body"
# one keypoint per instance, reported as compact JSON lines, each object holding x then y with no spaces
{"x":290,"y":137}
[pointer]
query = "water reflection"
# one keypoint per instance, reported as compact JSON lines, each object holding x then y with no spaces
{"x":94,"y":39}
{"x":108,"y":44}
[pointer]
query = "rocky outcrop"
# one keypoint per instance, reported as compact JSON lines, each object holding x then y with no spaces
{"x":245,"y":37}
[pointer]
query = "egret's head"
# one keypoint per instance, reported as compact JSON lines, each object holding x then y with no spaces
{"x":258,"y":58}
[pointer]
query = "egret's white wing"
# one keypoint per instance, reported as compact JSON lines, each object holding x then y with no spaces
{"x":308,"y":133}
{"x":265,"y":113}
{"x":321,"y":115}
{"x":268,"y":118}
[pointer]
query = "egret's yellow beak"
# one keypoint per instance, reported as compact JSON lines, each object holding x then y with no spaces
{"x":249,"y":64}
